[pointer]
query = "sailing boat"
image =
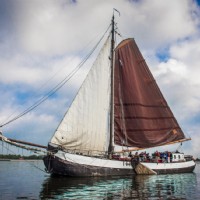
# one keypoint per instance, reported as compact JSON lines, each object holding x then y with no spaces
{"x":118,"y":105}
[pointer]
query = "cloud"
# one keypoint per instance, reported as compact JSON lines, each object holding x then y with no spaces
{"x":36,"y":126}
{"x":188,"y":51}
{"x":57,"y":27}
{"x":181,"y":71}
{"x":192,"y":148}
{"x":157,"y":24}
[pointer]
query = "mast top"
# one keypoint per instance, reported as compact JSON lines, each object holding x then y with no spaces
{"x":114,"y":9}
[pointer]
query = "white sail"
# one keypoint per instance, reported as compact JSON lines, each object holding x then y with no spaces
{"x":85,"y":127}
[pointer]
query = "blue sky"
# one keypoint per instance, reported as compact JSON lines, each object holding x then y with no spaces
{"x":42,"y":41}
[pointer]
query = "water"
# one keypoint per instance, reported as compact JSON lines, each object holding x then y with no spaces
{"x":21,"y":180}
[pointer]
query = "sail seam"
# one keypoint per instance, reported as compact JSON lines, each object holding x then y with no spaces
{"x":148,"y":118}
{"x":139,"y":104}
{"x":160,"y":129}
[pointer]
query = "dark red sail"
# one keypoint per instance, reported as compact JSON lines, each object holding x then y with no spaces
{"x":142,"y":117}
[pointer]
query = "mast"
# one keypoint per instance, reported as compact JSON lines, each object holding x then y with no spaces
{"x":110,"y":147}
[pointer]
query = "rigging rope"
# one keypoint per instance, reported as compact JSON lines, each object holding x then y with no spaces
{"x":27,"y":161}
{"x":58,"y":86}
{"x":53,"y":76}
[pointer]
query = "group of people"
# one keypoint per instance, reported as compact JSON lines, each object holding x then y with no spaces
{"x":162,"y":156}
{"x":157,"y":156}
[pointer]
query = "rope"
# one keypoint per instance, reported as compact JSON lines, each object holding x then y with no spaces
{"x":5,"y":139}
{"x":58,"y":86}
{"x":24,"y":160}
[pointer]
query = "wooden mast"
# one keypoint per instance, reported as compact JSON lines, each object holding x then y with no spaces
{"x":110,"y":148}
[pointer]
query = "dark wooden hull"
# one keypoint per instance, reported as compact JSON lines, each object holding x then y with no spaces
{"x":57,"y":166}
{"x":65,"y":167}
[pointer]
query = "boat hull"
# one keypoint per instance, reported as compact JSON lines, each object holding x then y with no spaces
{"x":175,"y":171}
{"x":97,"y":167}
{"x":171,"y":168}
{"x":67,"y":164}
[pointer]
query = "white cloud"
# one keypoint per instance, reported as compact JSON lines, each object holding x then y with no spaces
{"x":179,"y":76}
{"x":192,"y":148}
{"x":57,"y":27}
{"x":188,"y":52}
{"x":161,"y":23}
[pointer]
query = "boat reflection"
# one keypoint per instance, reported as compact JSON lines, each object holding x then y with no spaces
{"x":164,"y":186}
{"x":137,"y":187}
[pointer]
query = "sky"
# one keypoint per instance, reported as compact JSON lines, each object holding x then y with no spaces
{"x":42,"y":41}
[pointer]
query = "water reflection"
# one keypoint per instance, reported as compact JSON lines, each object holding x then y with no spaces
{"x":178,"y":186}
{"x":84,"y":188}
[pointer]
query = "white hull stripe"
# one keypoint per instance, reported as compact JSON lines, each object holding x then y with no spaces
{"x":91,"y":161}
{"x":160,"y":166}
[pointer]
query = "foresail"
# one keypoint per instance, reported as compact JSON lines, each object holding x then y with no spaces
{"x":142,"y":117}
{"x":86,"y":124}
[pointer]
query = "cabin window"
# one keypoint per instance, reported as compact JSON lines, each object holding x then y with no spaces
{"x":179,"y":157}
{"x":174,"y":156}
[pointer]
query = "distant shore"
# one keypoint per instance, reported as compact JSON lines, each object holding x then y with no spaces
{"x":5,"y":159}
{"x":19,"y":160}
{"x":11,"y":157}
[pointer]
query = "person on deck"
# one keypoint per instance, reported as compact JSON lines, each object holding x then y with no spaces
{"x":130,"y":154}
{"x":169,"y":155}
{"x":157,"y":156}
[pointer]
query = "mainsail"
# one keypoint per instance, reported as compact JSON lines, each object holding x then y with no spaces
{"x":142,"y":117}
{"x":85,"y":127}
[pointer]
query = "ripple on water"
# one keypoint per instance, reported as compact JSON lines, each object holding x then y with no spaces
{"x":20,"y":180}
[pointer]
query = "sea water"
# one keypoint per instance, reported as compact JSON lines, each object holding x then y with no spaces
{"x":27,"y":180}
